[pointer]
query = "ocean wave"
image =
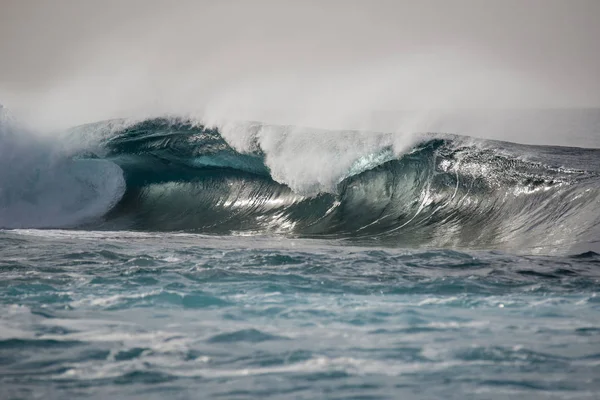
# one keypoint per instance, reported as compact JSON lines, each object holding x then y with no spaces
{"x":426,"y":190}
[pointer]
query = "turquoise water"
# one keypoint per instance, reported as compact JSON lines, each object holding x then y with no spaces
{"x":167,"y":259}
{"x":142,"y":315}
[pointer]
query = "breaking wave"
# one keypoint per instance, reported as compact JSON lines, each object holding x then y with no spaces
{"x":428,"y":190}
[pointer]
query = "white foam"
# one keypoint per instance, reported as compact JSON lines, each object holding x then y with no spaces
{"x":42,"y":187}
{"x":309,"y":160}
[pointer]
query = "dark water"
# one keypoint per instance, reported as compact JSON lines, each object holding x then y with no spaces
{"x":173,"y":264}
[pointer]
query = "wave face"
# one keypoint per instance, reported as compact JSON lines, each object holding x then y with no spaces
{"x":443,"y":191}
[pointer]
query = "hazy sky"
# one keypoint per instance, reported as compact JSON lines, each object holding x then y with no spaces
{"x":80,"y":60}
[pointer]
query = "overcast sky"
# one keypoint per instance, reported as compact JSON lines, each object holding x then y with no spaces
{"x":83,"y":59}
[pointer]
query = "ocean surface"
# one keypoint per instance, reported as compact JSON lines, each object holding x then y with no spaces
{"x":165,"y":258}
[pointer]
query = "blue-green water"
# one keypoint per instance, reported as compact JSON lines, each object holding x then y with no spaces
{"x":159,"y":260}
{"x":130,"y":315}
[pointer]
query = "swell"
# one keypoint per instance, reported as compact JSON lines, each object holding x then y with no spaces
{"x":445,"y":191}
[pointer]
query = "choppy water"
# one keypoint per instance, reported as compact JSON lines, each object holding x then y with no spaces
{"x":164,"y":259}
{"x":132,"y":315}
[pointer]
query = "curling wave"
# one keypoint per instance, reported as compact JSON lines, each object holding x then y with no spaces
{"x":442,"y":191}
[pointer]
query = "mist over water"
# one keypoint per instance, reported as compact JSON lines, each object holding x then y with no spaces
{"x":312,"y":97}
{"x":465,"y":67}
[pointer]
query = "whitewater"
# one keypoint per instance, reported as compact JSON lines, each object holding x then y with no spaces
{"x":175,"y":257}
